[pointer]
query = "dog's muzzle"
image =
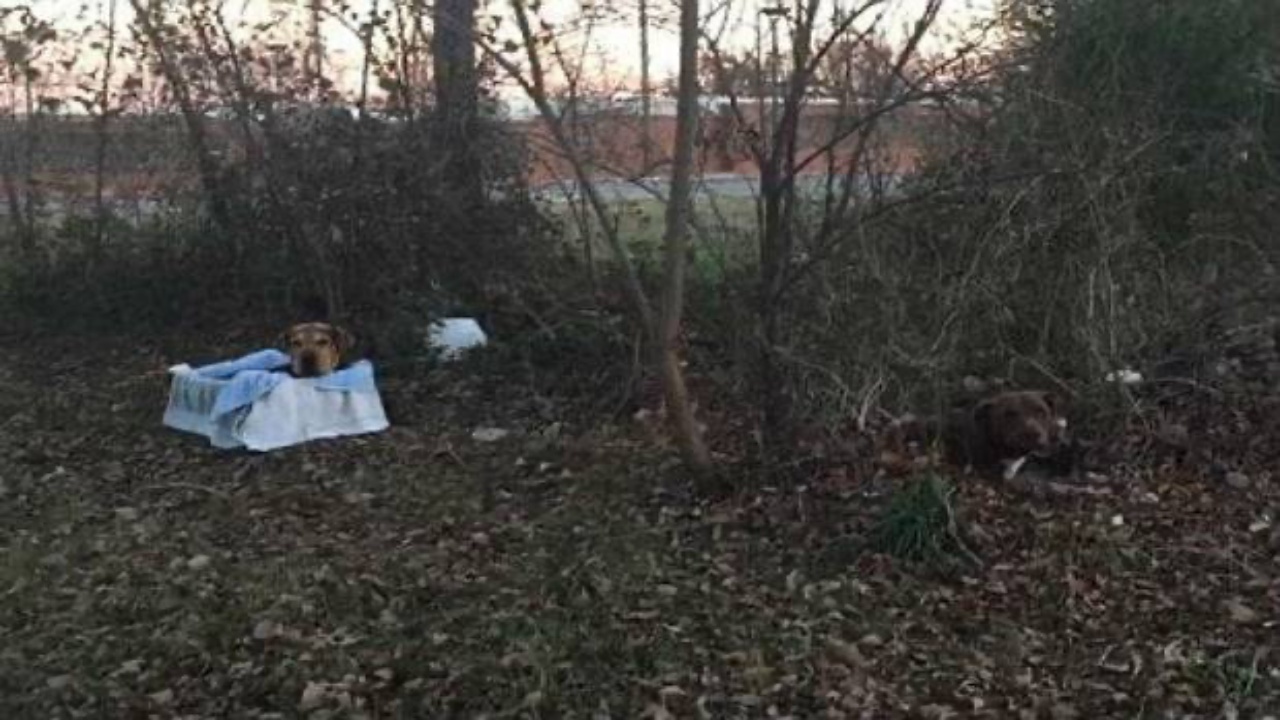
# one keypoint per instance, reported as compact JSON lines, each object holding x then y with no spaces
{"x":307,"y":364}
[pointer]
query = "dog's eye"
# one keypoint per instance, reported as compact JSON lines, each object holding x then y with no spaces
{"x":324,"y":342}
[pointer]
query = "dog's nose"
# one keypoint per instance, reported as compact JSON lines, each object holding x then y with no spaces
{"x":1037,"y":437}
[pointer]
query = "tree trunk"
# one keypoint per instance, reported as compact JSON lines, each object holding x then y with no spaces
{"x":457,"y":95}
{"x":684,"y":426}
{"x":774,"y":386}
{"x":100,"y":127}
{"x":663,"y":331}
{"x":646,"y":110}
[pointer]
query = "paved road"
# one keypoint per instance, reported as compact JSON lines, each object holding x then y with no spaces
{"x":720,"y":185}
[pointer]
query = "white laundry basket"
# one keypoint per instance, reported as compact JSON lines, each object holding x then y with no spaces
{"x":295,"y":411}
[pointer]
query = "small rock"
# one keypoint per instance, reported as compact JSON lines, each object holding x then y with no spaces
{"x":937,"y":712}
{"x":58,"y":682}
{"x":267,"y":629}
{"x":1175,"y":434}
{"x":1117,"y":520}
{"x":1237,"y":480}
{"x":1062,"y":711}
{"x":489,"y":434}
{"x":163,"y":697}
{"x":53,"y":560}
{"x":313,"y":696}
{"x":846,"y":653}
{"x":667,"y":590}
{"x":199,"y":562}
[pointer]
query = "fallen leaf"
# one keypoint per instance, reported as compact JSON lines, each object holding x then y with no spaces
{"x":846,"y":653}
{"x":1241,"y":613}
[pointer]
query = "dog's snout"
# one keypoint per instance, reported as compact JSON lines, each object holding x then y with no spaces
{"x":1036,"y":436}
{"x":308,"y":362}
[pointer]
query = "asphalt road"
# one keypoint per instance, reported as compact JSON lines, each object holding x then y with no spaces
{"x":719,"y":185}
{"x":55,"y":210}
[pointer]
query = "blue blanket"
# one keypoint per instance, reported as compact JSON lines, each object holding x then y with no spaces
{"x":256,"y":374}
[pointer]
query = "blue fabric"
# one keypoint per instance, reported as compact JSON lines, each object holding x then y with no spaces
{"x":357,"y":377}
{"x":261,"y":360}
{"x":253,"y":376}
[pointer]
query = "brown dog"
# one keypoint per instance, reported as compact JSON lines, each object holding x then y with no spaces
{"x":1001,"y":431}
{"x":316,"y":348}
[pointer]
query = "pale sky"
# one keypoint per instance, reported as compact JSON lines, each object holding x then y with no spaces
{"x":613,"y":50}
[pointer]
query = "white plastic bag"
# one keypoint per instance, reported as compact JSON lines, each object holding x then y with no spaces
{"x":451,"y":337}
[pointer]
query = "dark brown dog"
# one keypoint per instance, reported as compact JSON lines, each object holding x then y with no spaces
{"x":999,"y":432}
{"x":316,"y":348}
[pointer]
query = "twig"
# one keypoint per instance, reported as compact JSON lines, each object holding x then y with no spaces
{"x":953,"y":529}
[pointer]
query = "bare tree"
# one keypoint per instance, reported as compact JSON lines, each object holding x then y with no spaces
{"x":149,"y":16}
{"x":788,"y":247}
{"x":676,"y":239}
{"x":662,"y":329}
{"x":101,"y":121}
{"x":25,"y":50}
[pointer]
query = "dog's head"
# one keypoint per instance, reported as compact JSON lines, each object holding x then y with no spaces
{"x":1020,"y":423}
{"x":316,"y":348}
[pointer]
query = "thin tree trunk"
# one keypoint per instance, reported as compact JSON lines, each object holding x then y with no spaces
{"x":362,"y":105}
{"x":684,"y":425}
{"x":457,"y":94}
{"x":646,"y":90}
{"x":30,"y":183}
{"x":313,"y":66}
{"x":17,"y":216}
{"x":100,"y":162}
{"x":693,"y":450}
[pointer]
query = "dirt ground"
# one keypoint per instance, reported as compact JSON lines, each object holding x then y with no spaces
{"x":566,"y":570}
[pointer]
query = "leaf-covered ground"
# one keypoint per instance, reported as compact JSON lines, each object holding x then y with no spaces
{"x":565,"y":570}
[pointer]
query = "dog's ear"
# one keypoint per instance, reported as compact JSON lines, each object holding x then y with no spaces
{"x":284,"y":337}
{"x":1050,"y":399}
{"x":982,"y":415}
{"x":343,"y":339}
